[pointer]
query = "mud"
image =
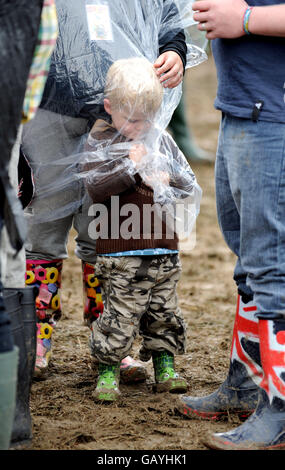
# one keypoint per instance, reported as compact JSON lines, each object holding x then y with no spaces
{"x":65,"y":416}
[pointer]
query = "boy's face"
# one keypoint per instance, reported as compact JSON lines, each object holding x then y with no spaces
{"x":132,"y":125}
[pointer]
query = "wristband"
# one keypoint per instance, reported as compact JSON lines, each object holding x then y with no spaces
{"x":246,"y":19}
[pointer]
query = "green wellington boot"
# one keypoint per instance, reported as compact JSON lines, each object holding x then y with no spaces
{"x":107,"y":389}
{"x":8,"y":387}
{"x":167,"y":380}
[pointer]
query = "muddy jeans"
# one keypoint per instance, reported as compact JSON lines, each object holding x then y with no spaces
{"x":250,"y":193}
{"x":139,"y":295}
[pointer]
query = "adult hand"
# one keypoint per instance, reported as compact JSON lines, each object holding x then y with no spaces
{"x":220,"y":18}
{"x":169,"y":69}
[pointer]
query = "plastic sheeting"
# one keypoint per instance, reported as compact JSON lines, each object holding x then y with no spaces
{"x":61,"y":145}
{"x":95,"y":33}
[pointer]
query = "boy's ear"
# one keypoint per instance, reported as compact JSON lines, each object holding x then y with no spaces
{"x":107,"y":106}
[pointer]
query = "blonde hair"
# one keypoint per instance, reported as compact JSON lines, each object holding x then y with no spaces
{"x":132,"y":84}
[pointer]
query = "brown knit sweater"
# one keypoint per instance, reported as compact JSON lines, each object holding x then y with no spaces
{"x":138,"y":228}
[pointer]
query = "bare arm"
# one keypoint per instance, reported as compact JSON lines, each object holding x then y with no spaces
{"x":224,"y":18}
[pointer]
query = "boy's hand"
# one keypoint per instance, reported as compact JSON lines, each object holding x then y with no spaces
{"x":137,"y":152}
{"x":161,"y":176}
{"x":169,"y":69}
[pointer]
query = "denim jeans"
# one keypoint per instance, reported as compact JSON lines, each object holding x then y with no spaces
{"x":250,"y":195}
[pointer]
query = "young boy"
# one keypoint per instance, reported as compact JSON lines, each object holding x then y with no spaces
{"x":72,"y":100}
{"x":138,"y":274}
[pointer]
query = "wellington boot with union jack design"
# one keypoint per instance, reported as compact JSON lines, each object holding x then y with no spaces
{"x":238,"y":393}
{"x":265,"y":428}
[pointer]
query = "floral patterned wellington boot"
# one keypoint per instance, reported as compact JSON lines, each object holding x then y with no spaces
{"x":131,"y":371}
{"x":92,"y":296}
{"x":46,"y":276}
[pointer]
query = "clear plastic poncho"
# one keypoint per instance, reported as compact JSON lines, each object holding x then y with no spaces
{"x":68,"y":155}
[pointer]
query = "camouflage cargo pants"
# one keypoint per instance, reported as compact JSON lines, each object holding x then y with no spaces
{"x":139,"y":296}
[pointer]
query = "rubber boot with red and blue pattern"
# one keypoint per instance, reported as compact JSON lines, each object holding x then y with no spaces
{"x":238,"y":393}
{"x":265,"y":428}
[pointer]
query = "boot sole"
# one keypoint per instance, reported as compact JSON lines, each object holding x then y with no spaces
{"x":106,"y":396}
{"x":171,"y":386}
{"x":40,"y":374}
{"x":208,"y":415}
{"x":217,"y":443}
{"x":24,"y":444}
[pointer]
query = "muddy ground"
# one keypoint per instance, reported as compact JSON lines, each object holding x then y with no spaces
{"x":64,"y":414}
